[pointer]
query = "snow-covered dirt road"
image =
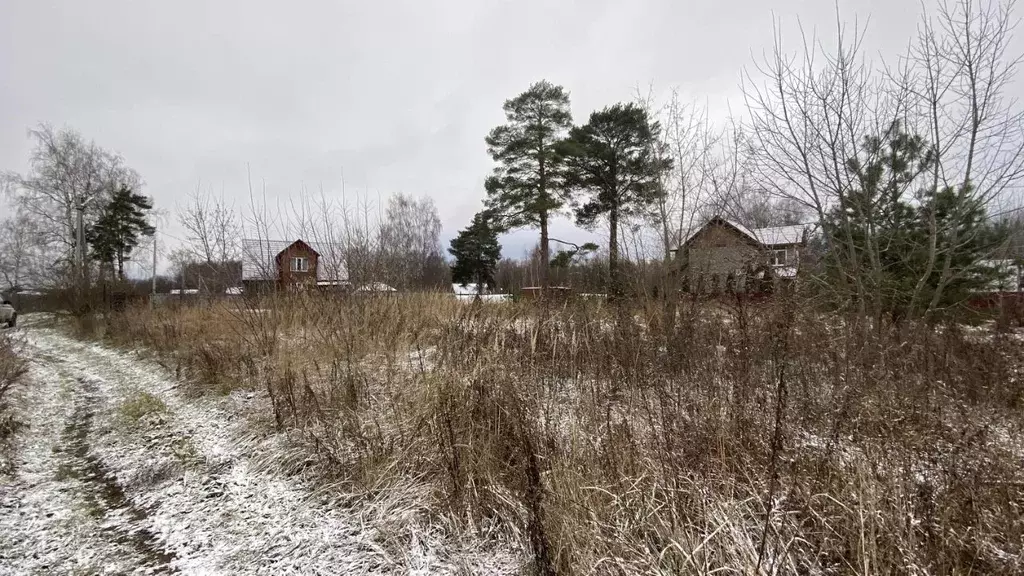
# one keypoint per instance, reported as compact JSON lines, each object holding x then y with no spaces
{"x":116,"y":472}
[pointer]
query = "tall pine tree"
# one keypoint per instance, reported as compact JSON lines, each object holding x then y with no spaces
{"x":476,"y":251}
{"x":615,"y":160}
{"x":527,"y":186}
{"x":117,"y":231}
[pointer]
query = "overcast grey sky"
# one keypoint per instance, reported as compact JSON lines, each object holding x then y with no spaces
{"x":397,"y":96}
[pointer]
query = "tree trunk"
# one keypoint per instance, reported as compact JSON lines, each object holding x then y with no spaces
{"x":615,"y":289}
{"x":545,"y":251}
{"x":545,"y":247}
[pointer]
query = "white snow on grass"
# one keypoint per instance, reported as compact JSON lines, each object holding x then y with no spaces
{"x":213,"y":498}
{"x":49,"y":521}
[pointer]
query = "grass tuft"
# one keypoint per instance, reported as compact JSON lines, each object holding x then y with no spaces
{"x":140,"y":404}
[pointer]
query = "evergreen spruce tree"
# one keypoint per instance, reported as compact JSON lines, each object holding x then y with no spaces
{"x":117,"y":231}
{"x":527,"y":188}
{"x":476,"y":251}
{"x":615,"y":160}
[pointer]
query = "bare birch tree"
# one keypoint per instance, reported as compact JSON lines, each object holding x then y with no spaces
{"x":67,"y":176}
{"x":19,"y":253}
{"x":410,"y":251}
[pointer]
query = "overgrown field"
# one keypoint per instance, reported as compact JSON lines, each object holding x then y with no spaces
{"x":645,"y":438}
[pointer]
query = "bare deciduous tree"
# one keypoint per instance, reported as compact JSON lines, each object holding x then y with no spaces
{"x":807,"y":119}
{"x":410,"y":243}
{"x":958,"y":72}
{"x":810,"y":119}
{"x":67,"y":175}
{"x":212,"y":226}
{"x":687,"y":138}
{"x":214,"y":237}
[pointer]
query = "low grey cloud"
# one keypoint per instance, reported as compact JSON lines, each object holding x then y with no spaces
{"x":390,"y":96}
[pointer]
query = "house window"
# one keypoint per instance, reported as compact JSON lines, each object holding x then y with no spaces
{"x":300,"y":264}
{"x":778,"y":258}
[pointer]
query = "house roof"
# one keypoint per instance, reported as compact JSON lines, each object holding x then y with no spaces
{"x":768,"y":237}
{"x":258,"y":259}
{"x":732,"y":223}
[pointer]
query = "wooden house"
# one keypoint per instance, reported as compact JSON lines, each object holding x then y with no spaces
{"x":269,"y":265}
{"x":726,"y":256}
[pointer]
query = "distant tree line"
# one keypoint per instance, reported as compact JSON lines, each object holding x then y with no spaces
{"x":397,"y":242}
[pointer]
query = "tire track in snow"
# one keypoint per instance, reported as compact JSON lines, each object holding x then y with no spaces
{"x":104,"y":493}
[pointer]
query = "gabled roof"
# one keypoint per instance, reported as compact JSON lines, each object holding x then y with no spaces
{"x":767,"y":237}
{"x":259,"y":259}
{"x":301,"y":244}
{"x":743,"y":230}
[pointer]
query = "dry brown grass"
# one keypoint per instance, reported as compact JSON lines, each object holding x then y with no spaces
{"x":613,"y":440}
{"x":12,"y":368}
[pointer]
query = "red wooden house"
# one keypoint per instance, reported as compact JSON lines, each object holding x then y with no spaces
{"x":298,"y":265}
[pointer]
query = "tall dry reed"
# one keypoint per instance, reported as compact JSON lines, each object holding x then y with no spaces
{"x":651,"y":437}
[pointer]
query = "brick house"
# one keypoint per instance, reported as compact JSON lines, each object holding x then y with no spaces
{"x":299,"y":265}
{"x":726,"y":256}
